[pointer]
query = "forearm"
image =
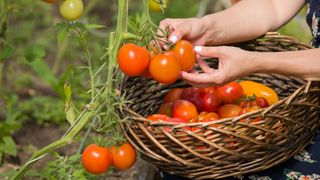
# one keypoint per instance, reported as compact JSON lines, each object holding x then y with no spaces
{"x":304,"y":64}
{"x":248,"y":19}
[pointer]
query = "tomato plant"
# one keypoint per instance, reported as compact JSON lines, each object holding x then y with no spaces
{"x":230,"y":92}
{"x":96,"y":159}
{"x":71,"y":9}
{"x":185,"y":55}
{"x":251,"y":88}
{"x":50,"y":1}
{"x":184,"y":109}
{"x":164,"y":68}
{"x":173,"y":95}
{"x":123,"y":156}
{"x":229,"y":110}
{"x":132,"y":59}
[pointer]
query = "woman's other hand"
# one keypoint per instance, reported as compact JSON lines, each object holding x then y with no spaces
{"x":233,"y":63}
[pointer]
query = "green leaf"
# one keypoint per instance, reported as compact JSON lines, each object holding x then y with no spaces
{"x":8,"y":146}
{"x":75,"y":157}
{"x":6,"y":53}
{"x":34,"y":53}
{"x":62,"y":34}
{"x":94,"y":26}
{"x":42,"y":69}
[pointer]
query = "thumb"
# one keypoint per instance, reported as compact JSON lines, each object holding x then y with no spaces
{"x":205,"y":51}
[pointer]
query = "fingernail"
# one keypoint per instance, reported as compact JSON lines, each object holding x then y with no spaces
{"x":198,"y":48}
{"x":173,"y":39}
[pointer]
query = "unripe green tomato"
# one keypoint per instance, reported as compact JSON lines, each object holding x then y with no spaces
{"x":71,"y":9}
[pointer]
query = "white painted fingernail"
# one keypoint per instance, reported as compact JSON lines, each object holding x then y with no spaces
{"x":173,"y":39}
{"x":198,"y":48}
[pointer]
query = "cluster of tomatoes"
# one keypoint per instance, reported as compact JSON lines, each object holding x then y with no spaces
{"x":164,"y":67}
{"x":191,"y":104}
{"x":69,"y":9}
{"x":97,"y":159}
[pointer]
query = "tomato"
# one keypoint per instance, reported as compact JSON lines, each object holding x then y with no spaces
{"x":250,"y":109}
{"x":230,"y":92}
{"x":164,"y":68}
{"x":71,"y":9}
{"x":184,"y":109}
{"x":209,"y":102}
{"x":96,"y":159}
{"x":154,"y":6}
{"x":185,"y":55}
{"x":123,"y":157}
{"x":165,"y":108}
{"x":251,"y":88}
{"x":173,"y":95}
{"x":158,"y":117}
{"x":193,"y":95}
{"x":207,"y":116}
{"x":229,"y":110}
{"x":133,"y":60}
{"x":262,"y":102}
{"x":50,"y":1}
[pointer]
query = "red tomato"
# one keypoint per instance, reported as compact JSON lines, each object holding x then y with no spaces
{"x":158,"y":117}
{"x":185,"y":55}
{"x":229,"y":110}
{"x":132,"y":59}
{"x":173,"y":95}
{"x":50,"y":1}
{"x":262,"y":102}
{"x":96,"y":159}
{"x":164,"y":68}
{"x":123,"y":157}
{"x":193,"y":95}
{"x":230,"y":92}
{"x":209,"y":102}
{"x":184,"y":109}
{"x":165,"y":108}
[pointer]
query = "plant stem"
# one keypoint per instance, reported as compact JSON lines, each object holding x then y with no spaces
{"x":96,"y":103}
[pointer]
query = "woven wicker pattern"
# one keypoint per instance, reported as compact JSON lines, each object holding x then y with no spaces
{"x":226,"y":147}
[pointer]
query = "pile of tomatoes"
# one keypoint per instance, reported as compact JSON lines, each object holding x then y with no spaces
{"x":98,"y":160}
{"x":191,"y":104}
{"x":69,"y":9}
{"x":164,"y":67}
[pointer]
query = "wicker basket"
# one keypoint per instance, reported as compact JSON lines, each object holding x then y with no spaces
{"x":235,"y":147}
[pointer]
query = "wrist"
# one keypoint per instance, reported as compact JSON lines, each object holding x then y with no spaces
{"x":213,"y":33}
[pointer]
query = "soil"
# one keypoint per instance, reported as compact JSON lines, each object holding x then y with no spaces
{"x":33,"y":136}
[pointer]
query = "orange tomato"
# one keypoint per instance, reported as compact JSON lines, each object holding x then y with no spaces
{"x":96,"y":159}
{"x":251,"y":88}
{"x":229,"y":110}
{"x":164,"y":68}
{"x":185,"y":55}
{"x":132,"y":59}
{"x":123,"y":157}
{"x":184,"y":109}
{"x":50,"y":1}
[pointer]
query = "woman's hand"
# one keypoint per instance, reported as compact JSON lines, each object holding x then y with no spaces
{"x":191,"y":29}
{"x":234,"y":63}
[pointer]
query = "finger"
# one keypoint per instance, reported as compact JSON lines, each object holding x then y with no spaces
{"x":198,"y":78}
{"x":208,"y":51}
{"x":204,"y":66}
